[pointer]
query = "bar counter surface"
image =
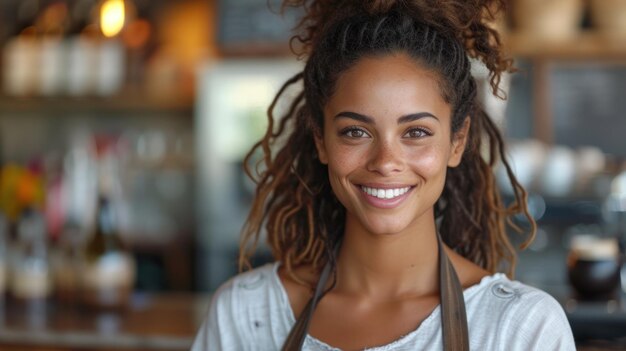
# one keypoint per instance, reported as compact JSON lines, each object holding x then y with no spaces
{"x":162,"y":321}
{"x":169,"y":321}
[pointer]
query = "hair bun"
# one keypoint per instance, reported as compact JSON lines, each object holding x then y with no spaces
{"x":470,"y":21}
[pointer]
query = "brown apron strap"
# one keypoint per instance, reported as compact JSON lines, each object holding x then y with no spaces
{"x":296,"y":337}
{"x":453,"y":317}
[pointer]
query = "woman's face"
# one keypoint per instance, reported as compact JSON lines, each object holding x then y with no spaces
{"x":387,"y":143}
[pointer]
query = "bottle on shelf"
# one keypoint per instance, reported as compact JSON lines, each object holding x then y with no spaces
{"x":109,"y":269}
{"x":30,"y":269}
{"x":21,"y":52}
{"x":67,"y":260}
{"x":51,"y":24}
{"x":82,"y":50}
{"x":3,"y":256}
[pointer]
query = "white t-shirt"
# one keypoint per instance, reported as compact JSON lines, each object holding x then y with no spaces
{"x":252,"y":312}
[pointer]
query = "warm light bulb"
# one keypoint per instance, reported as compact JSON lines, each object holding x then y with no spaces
{"x":112,"y":17}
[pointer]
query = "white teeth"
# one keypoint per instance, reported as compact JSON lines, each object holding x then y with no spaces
{"x":385,"y":193}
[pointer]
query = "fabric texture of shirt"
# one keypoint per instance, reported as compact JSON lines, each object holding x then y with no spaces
{"x":252,"y":312}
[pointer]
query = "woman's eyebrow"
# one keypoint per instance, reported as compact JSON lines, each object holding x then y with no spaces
{"x":356,"y":116}
{"x":415,"y":116}
{"x":366,"y":119}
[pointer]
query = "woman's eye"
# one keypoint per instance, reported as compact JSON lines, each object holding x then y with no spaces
{"x":354,"y":133}
{"x":416,"y":133}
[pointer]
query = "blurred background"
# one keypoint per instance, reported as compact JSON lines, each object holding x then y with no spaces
{"x":123,"y":127}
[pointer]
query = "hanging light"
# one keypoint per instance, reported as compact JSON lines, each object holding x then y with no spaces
{"x":112,"y":17}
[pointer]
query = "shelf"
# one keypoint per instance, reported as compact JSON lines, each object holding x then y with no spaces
{"x":585,"y":46}
{"x":128,"y":104}
{"x":589,"y":47}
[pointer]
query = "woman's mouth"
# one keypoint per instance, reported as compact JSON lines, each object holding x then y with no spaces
{"x":385,"y":197}
{"x":385,"y":193}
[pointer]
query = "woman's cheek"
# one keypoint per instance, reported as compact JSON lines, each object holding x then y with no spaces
{"x":427,"y":161}
{"x":346,"y":157}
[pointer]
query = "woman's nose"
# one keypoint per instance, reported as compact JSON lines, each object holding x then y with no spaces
{"x":385,"y":158}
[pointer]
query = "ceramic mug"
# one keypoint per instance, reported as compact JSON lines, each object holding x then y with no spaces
{"x":593,"y":266}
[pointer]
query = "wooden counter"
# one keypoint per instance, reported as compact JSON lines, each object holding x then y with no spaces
{"x":151,"y":322}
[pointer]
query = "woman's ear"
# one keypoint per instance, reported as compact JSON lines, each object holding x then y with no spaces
{"x":459,"y":141}
{"x":319,"y":145}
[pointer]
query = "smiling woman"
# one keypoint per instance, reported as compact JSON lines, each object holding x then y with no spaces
{"x":386,"y":129}
{"x":380,"y":209}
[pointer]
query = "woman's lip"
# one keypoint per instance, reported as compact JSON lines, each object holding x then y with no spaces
{"x":385,"y":186}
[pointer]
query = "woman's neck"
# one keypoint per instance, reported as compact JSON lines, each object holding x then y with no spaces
{"x":386,"y":267}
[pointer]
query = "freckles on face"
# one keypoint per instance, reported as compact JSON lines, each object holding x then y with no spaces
{"x":386,"y":142}
{"x":427,"y":159}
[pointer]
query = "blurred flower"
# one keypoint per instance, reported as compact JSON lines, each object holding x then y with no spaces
{"x":20,"y":188}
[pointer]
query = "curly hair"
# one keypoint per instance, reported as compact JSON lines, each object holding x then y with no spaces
{"x":294,"y":202}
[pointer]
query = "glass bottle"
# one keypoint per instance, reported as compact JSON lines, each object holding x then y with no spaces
{"x":30,"y":269}
{"x":3,"y":267}
{"x":52,"y":25}
{"x":67,"y":262}
{"x":21,"y":52}
{"x":3,"y":256}
{"x":82,"y":49}
{"x":109,"y":269}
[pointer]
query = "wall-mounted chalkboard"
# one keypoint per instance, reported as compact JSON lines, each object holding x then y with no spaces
{"x":589,"y":106}
{"x":255,"y":26}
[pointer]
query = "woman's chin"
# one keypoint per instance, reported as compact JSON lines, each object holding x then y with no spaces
{"x":386,"y":229}
{"x":384,"y":224}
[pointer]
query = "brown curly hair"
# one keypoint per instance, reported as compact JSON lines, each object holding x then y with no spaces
{"x":294,"y":202}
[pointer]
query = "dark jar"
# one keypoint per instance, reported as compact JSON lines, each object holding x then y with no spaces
{"x":594,"y":267}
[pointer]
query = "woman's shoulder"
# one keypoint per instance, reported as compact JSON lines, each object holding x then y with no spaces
{"x":497,"y":294}
{"x":529,"y":316}
{"x":500,"y":286}
{"x":247,"y":287}
{"x":247,"y":308}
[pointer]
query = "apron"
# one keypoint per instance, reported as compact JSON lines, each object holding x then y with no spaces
{"x":453,"y":317}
